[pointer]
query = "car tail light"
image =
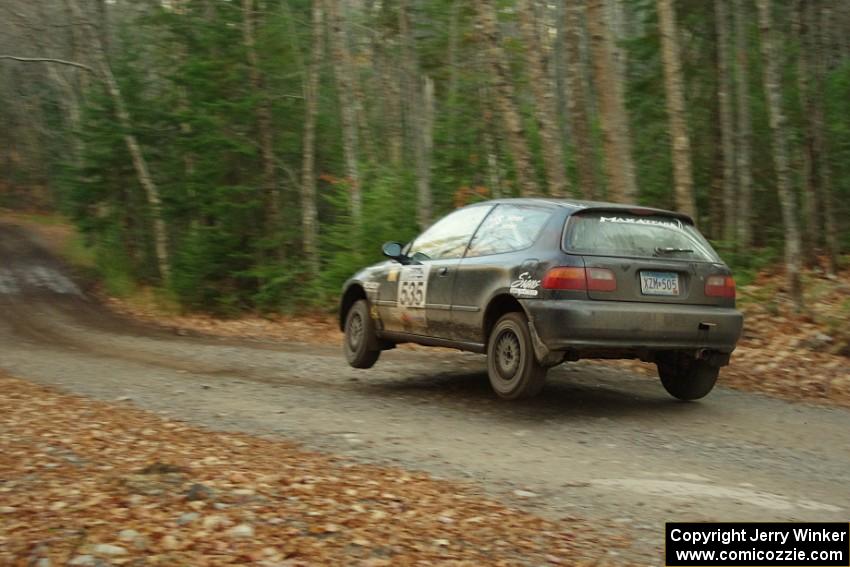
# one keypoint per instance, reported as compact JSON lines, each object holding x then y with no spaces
{"x":720,"y":286}
{"x":593,"y":279}
{"x":565,"y":278}
{"x":601,"y":279}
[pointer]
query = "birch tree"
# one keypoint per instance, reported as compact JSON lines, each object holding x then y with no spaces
{"x":140,"y":164}
{"x":577,"y":104}
{"x":803,"y":26}
{"x":424,"y":145}
{"x":503,"y":92}
{"x":345,"y":88}
{"x":616,"y":137}
{"x":420,"y":97}
{"x":744,"y":127}
{"x":683,"y":181}
{"x":309,"y":212}
{"x":787,"y":200}
{"x":727,"y":133}
{"x":262,"y":112}
{"x":822,"y":26}
{"x":545,"y":108}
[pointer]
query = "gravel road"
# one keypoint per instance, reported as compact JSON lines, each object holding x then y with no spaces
{"x":598,"y":444}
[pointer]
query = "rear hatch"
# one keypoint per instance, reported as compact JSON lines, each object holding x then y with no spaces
{"x":652,"y":257}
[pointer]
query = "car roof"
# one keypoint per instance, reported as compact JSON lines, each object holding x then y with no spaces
{"x":576,"y":205}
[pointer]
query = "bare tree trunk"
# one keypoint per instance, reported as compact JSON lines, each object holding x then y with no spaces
{"x":503,"y":90}
{"x":485,"y":100}
{"x":773,"y":93}
{"x":264,"y":120}
{"x":545,"y":109}
{"x":393,"y":112}
{"x":77,"y":42}
{"x":683,"y":180}
{"x":424,"y":145}
{"x":802,"y":26}
{"x":616,"y":18}
{"x":309,"y":212}
{"x":824,"y":27}
{"x":833,"y":32}
{"x":103,"y":27}
{"x":727,"y":132}
{"x":744,"y":129}
{"x":342,"y":71}
{"x":453,"y":68}
{"x":616,"y":138}
{"x":843,"y":23}
{"x":559,"y":73}
{"x":75,"y":120}
{"x":420,"y":95}
{"x":493,"y":175}
{"x":358,"y":95}
{"x":377,"y":119}
{"x":140,"y":164}
{"x":186,"y":130}
{"x":183,"y":105}
{"x":577,"y":104}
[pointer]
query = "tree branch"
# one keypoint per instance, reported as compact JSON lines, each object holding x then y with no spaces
{"x":48,"y":60}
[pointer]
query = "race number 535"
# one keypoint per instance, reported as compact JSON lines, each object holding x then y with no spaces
{"x":413,"y":286}
{"x":412,"y":294}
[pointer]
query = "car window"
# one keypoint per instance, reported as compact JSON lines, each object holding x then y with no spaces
{"x":508,"y":228}
{"x":447,"y":238}
{"x":622,"y":234}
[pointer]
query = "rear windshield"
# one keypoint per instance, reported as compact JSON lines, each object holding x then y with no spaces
{"x":638,"y":236}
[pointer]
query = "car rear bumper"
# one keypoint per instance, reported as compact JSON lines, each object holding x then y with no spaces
{"x":586,"y":326}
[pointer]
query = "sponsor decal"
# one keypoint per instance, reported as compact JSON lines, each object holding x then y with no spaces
{"x":371,"y":287}
{"x":673,"y":223}
{"x":392,"y":275}
{"x":525,"y":286}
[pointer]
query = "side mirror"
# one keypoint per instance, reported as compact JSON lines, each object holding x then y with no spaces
{"x":393,"y":250}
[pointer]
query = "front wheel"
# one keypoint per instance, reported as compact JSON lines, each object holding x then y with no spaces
{"x":687,"y":378}
{"x":361,"y":343}
{"x":514,"y":371}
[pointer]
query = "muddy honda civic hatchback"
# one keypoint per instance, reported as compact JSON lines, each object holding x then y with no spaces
{"x":533,"y":283}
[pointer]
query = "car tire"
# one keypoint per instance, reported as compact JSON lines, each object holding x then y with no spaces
{"x":360,"y":343}
{"x":513,"y":369}
{"x":687,"y":378}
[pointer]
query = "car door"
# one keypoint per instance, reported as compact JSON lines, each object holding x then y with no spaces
{"x":497,"y":260}
{"x":423,"y":288}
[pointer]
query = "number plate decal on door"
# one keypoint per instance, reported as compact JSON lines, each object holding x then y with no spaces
{"x":413,"y":286}
{"x":659,"y":283}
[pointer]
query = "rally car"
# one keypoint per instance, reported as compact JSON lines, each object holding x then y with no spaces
{"x":536,"y":282}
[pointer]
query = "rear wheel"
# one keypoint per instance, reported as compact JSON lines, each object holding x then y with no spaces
{"x":361,"y":343}
{"x":687,"y":378}
{"x":514,"y":371}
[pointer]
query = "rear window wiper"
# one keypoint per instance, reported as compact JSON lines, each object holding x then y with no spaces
{"x":670,"y":250}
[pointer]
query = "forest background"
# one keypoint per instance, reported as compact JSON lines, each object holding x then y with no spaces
{"x":248,"y":156}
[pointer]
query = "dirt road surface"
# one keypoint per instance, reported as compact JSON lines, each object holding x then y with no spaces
{"x":598,"y":444}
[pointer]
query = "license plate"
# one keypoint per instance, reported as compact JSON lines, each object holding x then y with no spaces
{"x":659,"y":283}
